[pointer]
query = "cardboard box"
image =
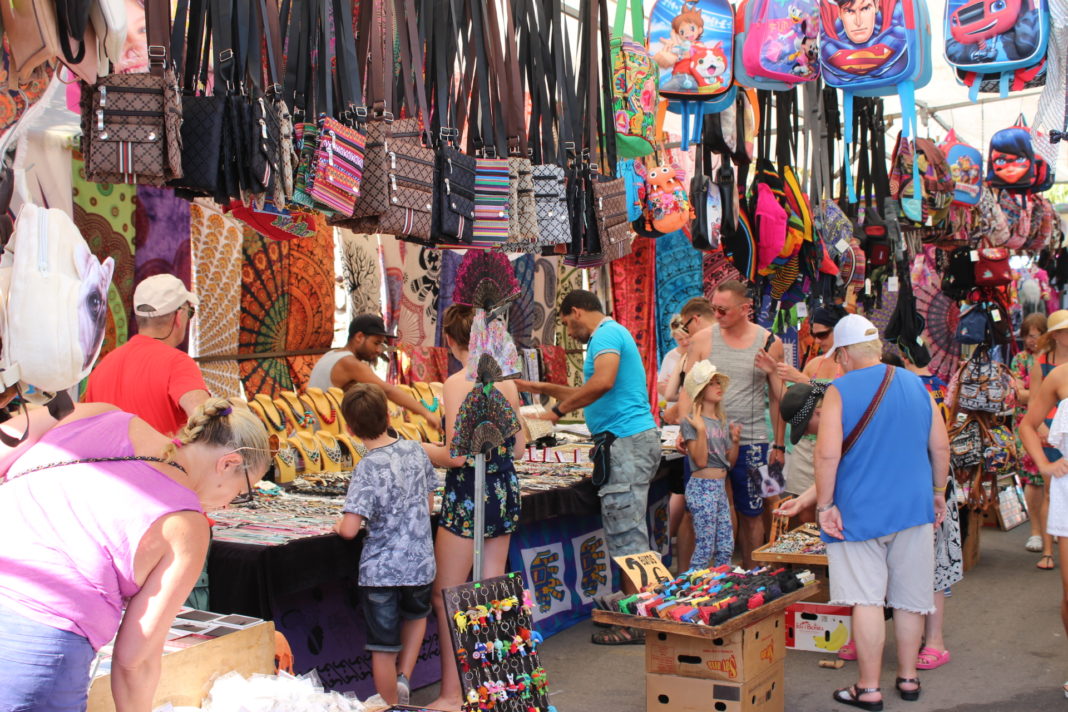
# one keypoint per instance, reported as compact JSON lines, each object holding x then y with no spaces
{"x":741,"y":656}
{"x":669,"y":693}
{"x":819,"y":627}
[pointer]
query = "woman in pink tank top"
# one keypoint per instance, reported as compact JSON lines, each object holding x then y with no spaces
{"x":101,"y":513}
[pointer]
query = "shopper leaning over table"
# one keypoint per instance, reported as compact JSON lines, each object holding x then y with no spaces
{"x":454,"y":542}
{"x":100,"y":512}
{"x":732,"y":344}
{"x":1035,"y":492}
{"x":618,"y":411}
{"x":879,"y":451}
{"x":1052,"y":396}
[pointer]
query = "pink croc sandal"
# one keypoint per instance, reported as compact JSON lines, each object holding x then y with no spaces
{"x":848,"y":651}
{"x":931,"y":658}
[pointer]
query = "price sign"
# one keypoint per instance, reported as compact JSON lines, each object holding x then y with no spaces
{"x":643,"y":569}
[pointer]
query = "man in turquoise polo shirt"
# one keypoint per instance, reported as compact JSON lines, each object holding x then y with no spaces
{"x":616,"y":401}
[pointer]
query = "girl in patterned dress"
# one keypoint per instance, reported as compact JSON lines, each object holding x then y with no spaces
{"x":453,"y":543}
{"x":1031,"y":330}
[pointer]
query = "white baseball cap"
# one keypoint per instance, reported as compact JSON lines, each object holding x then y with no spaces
{"x":160,"y":295}
{"x":853,"y":329}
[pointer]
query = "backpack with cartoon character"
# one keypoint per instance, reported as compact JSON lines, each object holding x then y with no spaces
{"x":779,"y":43}
{"x":666,"y":205}
{"x":1013,"y":164}
{"x":634,"y":79}
{"x":966,"y":166}
{"x":876,"y":48}
{"x":692,"y":44}
{"x":997,"y":41}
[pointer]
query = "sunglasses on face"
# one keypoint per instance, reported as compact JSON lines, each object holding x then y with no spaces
{"x":821,"y":335}
{"x":190,"y":310}
{"x":721,"y":311}
{"x":273,"y":443}
{"x":686,"y":324}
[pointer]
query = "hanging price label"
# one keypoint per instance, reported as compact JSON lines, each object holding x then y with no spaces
{"x":841,"y":245}
{"x":867,"y":286}
{"x":892,"y":284}
{"x":802,"y":310}
{"x":975,"y":255}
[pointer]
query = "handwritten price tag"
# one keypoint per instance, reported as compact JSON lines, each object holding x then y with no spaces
{"x":643,"y":569}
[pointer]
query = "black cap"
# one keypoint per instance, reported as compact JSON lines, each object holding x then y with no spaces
{"x":369,"y":324}
{"x":797,"y":406}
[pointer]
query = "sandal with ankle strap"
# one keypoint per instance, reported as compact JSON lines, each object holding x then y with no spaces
{"x":908,"y":695}
{"x":851,"y":696}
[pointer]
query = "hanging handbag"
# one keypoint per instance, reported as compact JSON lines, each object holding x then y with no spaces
{"x":992,"y":268}
{"x":131,"y":123}
{"x":966,"y":445}
{"x":337,"y":165}
{"x":610,"y":209}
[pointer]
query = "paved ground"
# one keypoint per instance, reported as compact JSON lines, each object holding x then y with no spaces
{"x":1003,"y":629}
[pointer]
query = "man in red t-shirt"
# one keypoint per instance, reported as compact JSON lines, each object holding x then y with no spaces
{"x":148,"y":376}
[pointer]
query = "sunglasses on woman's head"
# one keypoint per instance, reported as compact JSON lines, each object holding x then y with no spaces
{"x":273,"y":444}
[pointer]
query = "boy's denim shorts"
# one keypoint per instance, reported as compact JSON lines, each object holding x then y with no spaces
{"x":386,"y":607}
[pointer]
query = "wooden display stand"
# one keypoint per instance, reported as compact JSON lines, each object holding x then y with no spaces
{"x":186,"y":675}
{"x":817,"y":563}
{"x":738,"y":666}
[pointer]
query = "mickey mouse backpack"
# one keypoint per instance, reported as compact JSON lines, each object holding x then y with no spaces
{"x":778,"y":43}
{"x":997,"y":45}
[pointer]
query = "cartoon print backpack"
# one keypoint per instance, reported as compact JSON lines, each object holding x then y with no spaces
{"x":876,"y":48}
{"x":53,"y":303}
{"x":1002,"y":41}
{"x":634,"y":84}
{"x":966,"y":167}
{"x":1012,"y":164}
{"x":781,"y":41}
{"x":692,"y":44}
{"x":666,"y":205}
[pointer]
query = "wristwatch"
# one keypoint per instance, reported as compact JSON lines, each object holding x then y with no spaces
{"x":556,"y":411}
{"x":780,"y":448}
{"x":821,"y":510}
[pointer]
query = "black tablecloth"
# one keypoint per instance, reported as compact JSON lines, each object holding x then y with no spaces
{"x":246,"y":578}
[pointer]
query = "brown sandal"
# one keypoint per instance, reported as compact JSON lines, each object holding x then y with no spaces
{"x":1051,"y":566}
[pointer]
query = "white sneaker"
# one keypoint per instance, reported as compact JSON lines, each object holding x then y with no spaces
{"x":404,"y":690}
{"x":1034,"y":543}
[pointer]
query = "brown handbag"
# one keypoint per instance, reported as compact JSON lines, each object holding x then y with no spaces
{"x":610,"y":208}
{"x":33,"y":38}
{"x":411,"y":184}
{"x":131,"y":123}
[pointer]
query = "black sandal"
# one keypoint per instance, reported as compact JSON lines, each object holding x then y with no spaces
{"x":851,"y":696}
{"x":908,"y":695}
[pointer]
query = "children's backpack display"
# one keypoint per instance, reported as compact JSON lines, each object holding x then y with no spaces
{"x":634,"y":83}
{"x":666,"y":205}
{"x":692,"y":44}
{"x":778,"y":43}
{"x":53,"y":303}
{"x":966,"y":168}
{"x":997,"y":41}
{"x":882,"y":50}
{"x":1013,"y":164}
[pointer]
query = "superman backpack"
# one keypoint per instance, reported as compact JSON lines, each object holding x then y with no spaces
{"x":876,"y":48}
{"x":997,"y":45}
{"x":966,"y":167}
{"x":692,"y":46}
{"x":778,"y":43}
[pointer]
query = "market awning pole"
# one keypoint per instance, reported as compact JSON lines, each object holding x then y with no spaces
{"x":480,"y":513}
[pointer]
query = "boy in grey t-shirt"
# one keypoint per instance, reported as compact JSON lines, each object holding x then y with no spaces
{"x":392,"y":490}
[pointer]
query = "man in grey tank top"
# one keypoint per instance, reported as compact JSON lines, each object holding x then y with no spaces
{"x":732,"y":343}
{"x":352,"y":364}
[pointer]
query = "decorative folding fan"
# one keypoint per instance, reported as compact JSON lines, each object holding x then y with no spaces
{"x":490,"y":339}
{"x":486,"y":420}
{"x":485,"y":280}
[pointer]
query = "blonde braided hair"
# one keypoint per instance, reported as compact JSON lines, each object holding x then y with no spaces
{"x":228,"y":424}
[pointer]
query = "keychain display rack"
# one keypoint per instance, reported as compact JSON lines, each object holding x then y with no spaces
{"x":496,"y":646}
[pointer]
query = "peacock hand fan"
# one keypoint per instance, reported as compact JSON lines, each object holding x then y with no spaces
{"x":485,"y":422}
{"x":485,"y":280}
